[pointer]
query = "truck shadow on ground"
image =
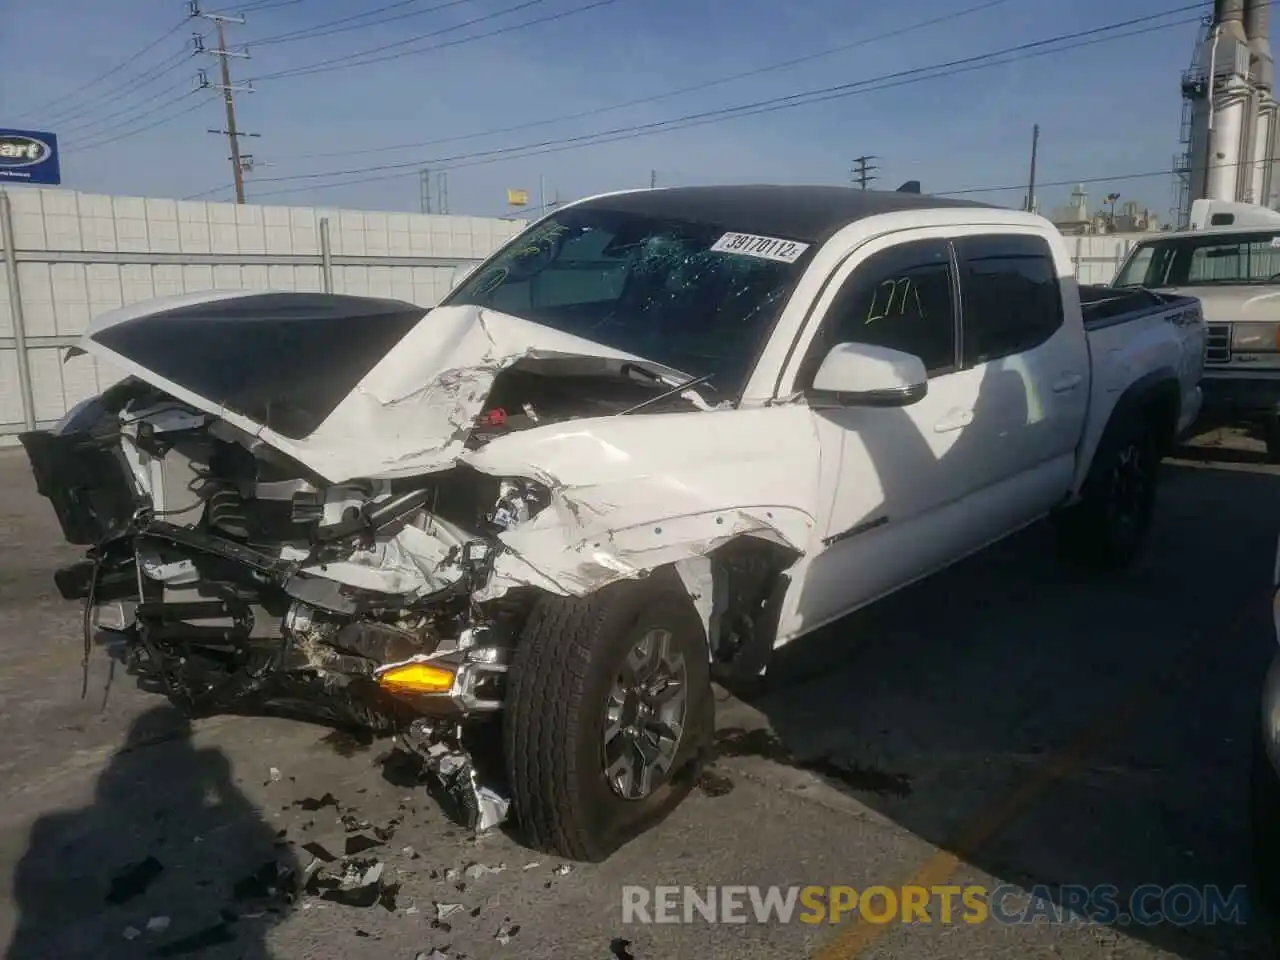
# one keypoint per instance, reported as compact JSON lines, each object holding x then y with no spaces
{"x":169,"y":860}
{"x":937,"y":705}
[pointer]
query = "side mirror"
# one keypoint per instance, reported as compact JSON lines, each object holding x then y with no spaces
{"x":862,"y":375}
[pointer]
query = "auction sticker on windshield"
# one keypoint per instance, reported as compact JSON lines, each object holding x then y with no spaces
{"x":770,"y":248}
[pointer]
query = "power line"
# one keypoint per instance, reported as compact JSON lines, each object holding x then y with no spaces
{"x":109,"y":119}
{"x":661,"y":96}
{"x":488,"y":159}
{"x":322,"y":29}
{"x":44,"y":108}
{"x":150,"y":126}
{"x":113,"y":93}
{"x":839,"y":91}
{"x":146,"y":113}
{"x":344,"y":62}
{"x":255,"y":7}
{"x":1144,"y":175}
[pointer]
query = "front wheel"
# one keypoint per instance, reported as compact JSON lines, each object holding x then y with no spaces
{"x":1110,"y":524}
{"x":609,"y":710}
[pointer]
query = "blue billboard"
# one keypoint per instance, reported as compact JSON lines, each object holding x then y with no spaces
{"x":29,"y":156}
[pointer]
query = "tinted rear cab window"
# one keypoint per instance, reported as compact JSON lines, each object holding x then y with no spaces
{"x":1012,"y":302}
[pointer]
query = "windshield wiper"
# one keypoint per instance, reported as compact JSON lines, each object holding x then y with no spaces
{"x":667,"y":393}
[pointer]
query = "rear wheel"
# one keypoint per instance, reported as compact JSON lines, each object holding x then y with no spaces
{"x":609,"y":710}
{"x":1110,"y":524}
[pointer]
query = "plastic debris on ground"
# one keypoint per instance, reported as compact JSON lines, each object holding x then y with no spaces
{"x":158,"y":924}
{"x":493,"y":809}
{"x":477,"y":870}
{"x":359,"y":885}
{"x":446,"y":910}
{"x":506,"y":933}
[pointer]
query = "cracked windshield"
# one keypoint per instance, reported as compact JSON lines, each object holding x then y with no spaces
{"x":652,"y":287}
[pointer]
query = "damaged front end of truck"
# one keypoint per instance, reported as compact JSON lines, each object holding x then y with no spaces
{"x":343,"y":509}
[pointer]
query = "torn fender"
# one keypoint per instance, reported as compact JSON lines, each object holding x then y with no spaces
{"x":630,"y":494}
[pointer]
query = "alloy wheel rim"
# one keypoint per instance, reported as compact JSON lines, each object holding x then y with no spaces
{"x":645,"y":716}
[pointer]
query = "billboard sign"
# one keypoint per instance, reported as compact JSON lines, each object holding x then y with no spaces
{"x":30,"y":157}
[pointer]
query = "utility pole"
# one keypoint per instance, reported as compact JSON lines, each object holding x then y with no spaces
{"x":862,"y":168}
{"x":424,"y":189}
{"x":1031,"y":182}
{"x":443,"y":181}
{"x":653,"y":179}
{"x":228,"y":92}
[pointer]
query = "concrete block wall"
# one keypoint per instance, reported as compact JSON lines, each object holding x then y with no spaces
{"x":80,"y":254}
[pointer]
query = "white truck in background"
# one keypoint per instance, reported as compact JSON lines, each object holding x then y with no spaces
{"x":655,"y":437}
{"x":1229,"y":260}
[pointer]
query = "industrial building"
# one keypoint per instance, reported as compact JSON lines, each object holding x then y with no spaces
{"x":1229,"y":111}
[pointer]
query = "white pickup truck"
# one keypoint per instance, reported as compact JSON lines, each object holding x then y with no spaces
{"x":658,"y":435}
{"x":1231,"y":263}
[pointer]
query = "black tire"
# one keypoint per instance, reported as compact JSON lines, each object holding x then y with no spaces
{"x":569,"y":654}
{"x":1109,"y":527}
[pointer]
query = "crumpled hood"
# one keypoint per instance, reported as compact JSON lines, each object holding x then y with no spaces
{"x":409,"y":414}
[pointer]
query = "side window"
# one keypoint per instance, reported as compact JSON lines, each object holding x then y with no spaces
{"x":898,"y":298}
{"x":1009,"y":288}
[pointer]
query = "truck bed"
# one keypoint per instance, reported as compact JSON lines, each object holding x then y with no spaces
{"x":1106,"y":306}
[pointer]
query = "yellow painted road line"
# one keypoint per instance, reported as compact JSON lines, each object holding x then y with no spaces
{"x":858,"y":935}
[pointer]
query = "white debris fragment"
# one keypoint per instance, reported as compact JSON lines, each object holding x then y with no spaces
{"x":493,"y":809}
{"x":131,"y":933}
{"x":506,"y":932}
{"x":409,"y":911}
{"x":274,"y":774}
{"x":446,"y":910}
{"x":452,"y":874}
{"x":435,"y":954}
{"x":563,"y":870}
{"x":158,"y":924}
{"x":535,"y":863}
{"x":478,"y":870}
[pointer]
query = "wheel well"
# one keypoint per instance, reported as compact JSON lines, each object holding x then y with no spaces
{"x":748,"y":574}
{"x":1161,"y":407}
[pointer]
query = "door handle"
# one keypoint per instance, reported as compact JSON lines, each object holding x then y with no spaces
{"x":955,"y":420}
{"x":1068,"y":382}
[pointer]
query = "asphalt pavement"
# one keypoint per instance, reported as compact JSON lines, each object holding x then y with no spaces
{"x":1005,"y":722}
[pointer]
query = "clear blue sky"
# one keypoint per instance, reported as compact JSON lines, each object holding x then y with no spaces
{"x":1107,"y":109}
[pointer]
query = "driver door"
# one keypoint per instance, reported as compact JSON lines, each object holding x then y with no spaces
{"x":905,"y":474}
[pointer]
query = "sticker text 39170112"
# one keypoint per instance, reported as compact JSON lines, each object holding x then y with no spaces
{"x":769,"y":248}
